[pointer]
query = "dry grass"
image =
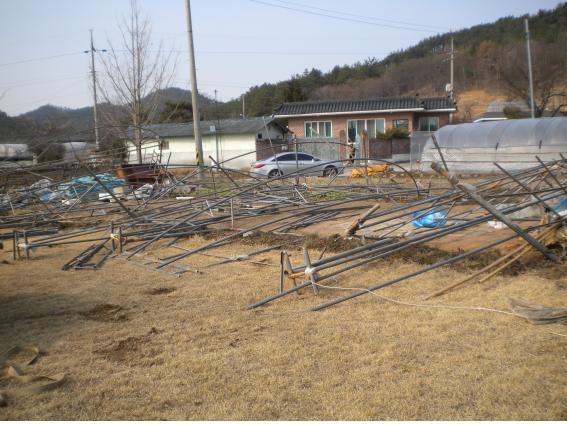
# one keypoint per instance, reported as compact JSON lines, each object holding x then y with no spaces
{"x":138,"y":344}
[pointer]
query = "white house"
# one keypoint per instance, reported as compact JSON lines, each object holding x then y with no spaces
{"x":15,"y":153}
{"x":232,"y":142}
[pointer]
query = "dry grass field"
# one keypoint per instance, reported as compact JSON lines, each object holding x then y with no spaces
{"x":137,"y":344}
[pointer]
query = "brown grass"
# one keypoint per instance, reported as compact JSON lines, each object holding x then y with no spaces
{"x":197,"y":353}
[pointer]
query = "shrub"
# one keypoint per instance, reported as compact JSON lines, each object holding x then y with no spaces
{"x":394,"y":133}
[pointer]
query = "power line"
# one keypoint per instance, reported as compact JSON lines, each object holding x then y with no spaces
{"x":283,"y":53}
{"x":24,"y":83}
{"x":216,"y":52}
{"x":363,"y":16}
{"x":341,"y":18}
{"x":40,"y":58}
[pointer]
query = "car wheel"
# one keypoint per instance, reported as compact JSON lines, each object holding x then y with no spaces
{"x":275,"y":173}
{"x":330,"y":172}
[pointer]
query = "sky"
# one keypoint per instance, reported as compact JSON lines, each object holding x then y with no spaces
{"x":238,"y":43}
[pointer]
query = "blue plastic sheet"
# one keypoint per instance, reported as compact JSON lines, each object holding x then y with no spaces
{"x":561,"y":207}
{"x":78,"y":186}
{"x":435,"y":217}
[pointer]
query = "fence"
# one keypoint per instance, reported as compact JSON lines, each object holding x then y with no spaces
{"x":321,"y":148}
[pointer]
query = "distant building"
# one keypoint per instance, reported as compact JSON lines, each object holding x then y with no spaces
{"x":495,"y":111}
{"x":222,"y":140}
{"x":18,"y":150}
{"x":15,"y":152}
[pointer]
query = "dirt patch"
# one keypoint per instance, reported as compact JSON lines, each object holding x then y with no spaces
{"x":105,"y":313}
{"x":133,"y":349}
{"x":427,"y":255}
{"x":423,"y":254}
{"x":160,"y":291}
{"x":332,"y":243}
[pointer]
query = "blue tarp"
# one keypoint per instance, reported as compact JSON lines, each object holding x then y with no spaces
{"x":561,"y":206}
{"x":435,"y":217}
{"x":79,"y":185}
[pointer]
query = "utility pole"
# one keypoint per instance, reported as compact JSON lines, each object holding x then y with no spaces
{"x":194,"y":93}
{"x":243,"y":108}
{"x":217,"y":128}
{"x":527,"y":29}
{"x":451,"y":92}
{"x":93,"y":72}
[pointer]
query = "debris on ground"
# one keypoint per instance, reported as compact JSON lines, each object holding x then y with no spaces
{"x":133,"y":213}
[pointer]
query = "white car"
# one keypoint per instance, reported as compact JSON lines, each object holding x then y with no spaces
{"x":287,"y":163}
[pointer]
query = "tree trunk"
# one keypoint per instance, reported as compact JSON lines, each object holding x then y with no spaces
{"x":138,"y":143}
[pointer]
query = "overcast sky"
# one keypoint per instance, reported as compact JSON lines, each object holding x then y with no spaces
{"x":239,"y":43}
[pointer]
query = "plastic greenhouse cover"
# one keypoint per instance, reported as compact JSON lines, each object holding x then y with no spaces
{"x":505,"y":133}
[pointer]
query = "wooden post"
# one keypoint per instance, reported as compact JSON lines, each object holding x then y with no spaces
{"x":15,"y":245}
{"x":231,"y":215}
{"x":112,"y":241}
{"x":365,"y":154}
{"x":281,"y":271}
{"x":26,"y":249}
{"x":120,"y":246}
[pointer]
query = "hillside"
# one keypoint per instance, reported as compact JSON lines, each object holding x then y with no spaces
{"x":486,"y":55}
{"x":489,"y":65}
{"x":56,"y":120}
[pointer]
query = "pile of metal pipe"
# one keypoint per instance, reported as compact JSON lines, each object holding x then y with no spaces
{"x":486,"y":202}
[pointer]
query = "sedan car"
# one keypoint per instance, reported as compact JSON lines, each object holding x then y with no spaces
{"x":287,"y":163}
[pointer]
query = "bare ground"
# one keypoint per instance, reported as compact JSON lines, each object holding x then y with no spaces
{"x":137,"y":344}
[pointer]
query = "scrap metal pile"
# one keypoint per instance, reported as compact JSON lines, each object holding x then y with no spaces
{"x":132,"y":219}
{"x":531,"y":203}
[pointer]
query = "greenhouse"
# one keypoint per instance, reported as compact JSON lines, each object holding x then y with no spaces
{"x":514,"y":144}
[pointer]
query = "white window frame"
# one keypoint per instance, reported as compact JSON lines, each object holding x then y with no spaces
{"x":366,"y":125}
{"x":427,"y":117}
{"x":318,"y":132}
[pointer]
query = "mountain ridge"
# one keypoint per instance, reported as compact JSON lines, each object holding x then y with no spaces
{"x":419,"y":69}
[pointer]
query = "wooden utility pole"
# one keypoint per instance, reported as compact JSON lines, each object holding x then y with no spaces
{"x":93,"y":72}
{"x":194,"y":94}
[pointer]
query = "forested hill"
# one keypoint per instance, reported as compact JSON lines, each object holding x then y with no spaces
{"x":485,"y":58}
{"x":490,"y":59}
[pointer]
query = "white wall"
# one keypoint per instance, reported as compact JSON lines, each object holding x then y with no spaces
{"x":182,"y":150}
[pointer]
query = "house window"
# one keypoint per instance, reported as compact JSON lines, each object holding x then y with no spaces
{"x":401,"y":124}
{"x":164,"y":145}
{"x":318,"y":129}
{"x":373,"y":127}
{"x":428,"y":123}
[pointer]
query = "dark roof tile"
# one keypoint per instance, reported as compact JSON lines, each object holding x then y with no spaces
{"x":227,"y":126}
{"x":361,"y":105}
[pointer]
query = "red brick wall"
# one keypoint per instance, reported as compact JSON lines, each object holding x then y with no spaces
{"x":296,"y":124}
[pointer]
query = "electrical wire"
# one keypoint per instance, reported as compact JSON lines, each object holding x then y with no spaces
{"x":40,"y":58}
{"x":363,"y":16}
{"x":342,"y":18}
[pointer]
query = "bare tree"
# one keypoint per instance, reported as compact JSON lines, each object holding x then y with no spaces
{"x":549,"y":61}
{"x":134,"y":74}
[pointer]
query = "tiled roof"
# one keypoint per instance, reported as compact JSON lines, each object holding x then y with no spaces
{"x":363,"y":105}
{"x":228,"y":126}
{"x":432,"y":103}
